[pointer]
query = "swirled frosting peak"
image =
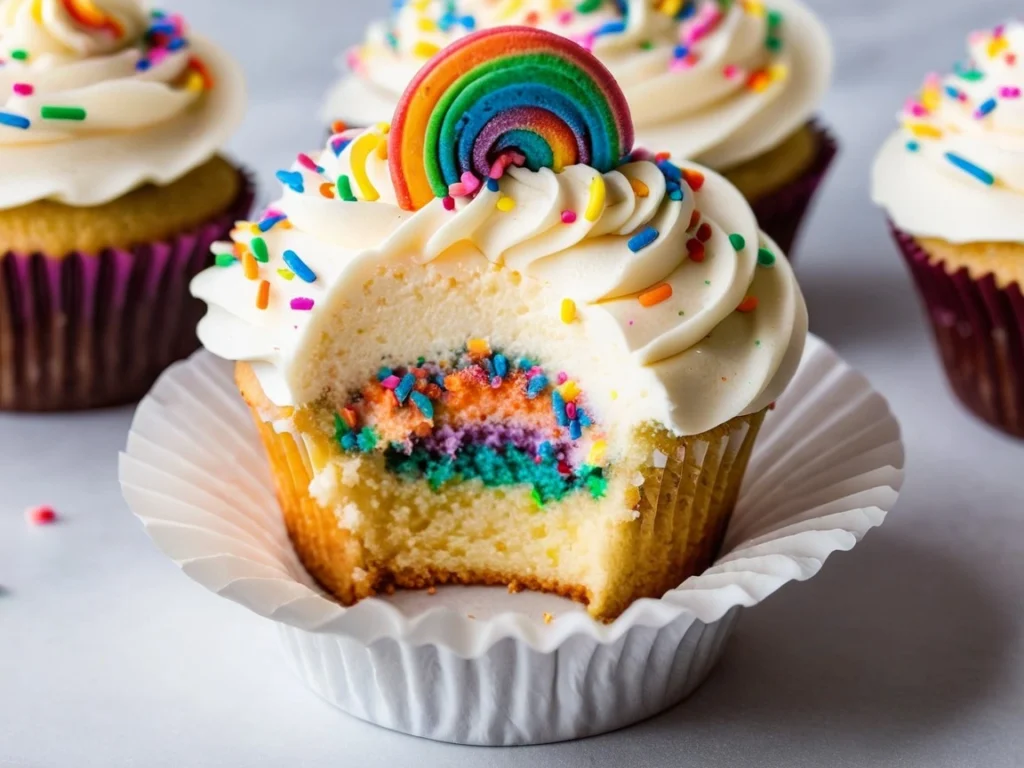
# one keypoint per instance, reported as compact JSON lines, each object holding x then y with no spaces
{"x":955,"y":170}
{"x":100,"y":96}
{"x":717,"y":81}
{"x":650,"y":282}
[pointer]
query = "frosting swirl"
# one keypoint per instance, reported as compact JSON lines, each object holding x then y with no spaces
{"x":98,"y":97}
{"x":654,"y":276}
{"x":955,"y":170}
{"x":716,"y":81}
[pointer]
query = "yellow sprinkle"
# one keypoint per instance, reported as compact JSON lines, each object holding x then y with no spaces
{"x":254,"y":229}
{"x":37,"y":12}
{"x":478,"y":347}
{"x":358,"y":154}
{"x":425,"y":50}
{"x":426,"y":25}
{"x":569,"y":391}
{"x":931,"y":97}
{"x":595,"y":205}
{"x":512,"y":7}
{"x":568,"y":311}
{"x":382,"y":150}
{"x":754,"y":7}
{"x":506,"y":204}
{"x":670,"y":7}
{"x":384,"y":128}
{"x":548,"y":618}
{"x":287,"y":274}
{"x":778,"y":72}
{"x":598,"y":450}
{"x":924,"y":131}
{"x":614,"y":394}
{"x":997,"y":46}
{"x":194,"y":83}
{"x":639,"y":188}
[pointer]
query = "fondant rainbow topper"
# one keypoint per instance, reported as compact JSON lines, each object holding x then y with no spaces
{"x":500,"y":91}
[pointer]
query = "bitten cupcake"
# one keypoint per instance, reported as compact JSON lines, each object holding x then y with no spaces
{"x":487,"y":344}
{"x":111,"y":194}
{"x":733,"y":85}
{"x":952,"y":182}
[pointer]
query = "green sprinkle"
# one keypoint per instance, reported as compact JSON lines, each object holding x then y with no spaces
{"x":63,"y":113}
{"x":20,"y":54}
{"x":707,"y":282}
{"x":259,"y":250}
{"x":774,"y":19}
{"x":340,"y":427}
{"x":345,"y":189}
{"x":646,"y":45}
{"x":420,"y":361}
{"x":738,"y":241}
{"x":765,"y":258}
{"x":681,"y":313}
{"x":588,"y":6}
{"x":535,"y":495}
{"x":367,"y":439}
{"x":773,"y":44}
{"x":224,"y":259}
{"x":757,"y":343}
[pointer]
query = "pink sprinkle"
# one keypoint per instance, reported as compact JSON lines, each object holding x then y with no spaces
{"x":681,"y":65}
{"x":917,"y":110}
{"x":564,"y":17}
{"x":731,"y":71}
{"x":302,"y":304}
{"x":535,"y":371}
{"x":496,"y":382}
{"x":562,"y":377}
{"x":24,"y":89}
{"x":157,"y":55}
{"x":470,"y":182}
{"x":1009,"y":92}
{"x":42,"y":515}
{"x":570,"y":410}
{"x":631,"y":322}
{"x":449,"y":203}
{"x":307,"y":162}
{"x":391,"y":382}
{"x":568,"y":217}
{"x":458,"y":189}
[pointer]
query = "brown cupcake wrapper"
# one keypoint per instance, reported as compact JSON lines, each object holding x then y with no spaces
{"x":979,"y":330}
{"x":781,"y":214}
{"x":83,"y":330}
{"x":683,"y":511}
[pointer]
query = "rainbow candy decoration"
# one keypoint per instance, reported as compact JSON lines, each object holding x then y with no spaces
{"x":86,"y":14}
{"x":501,"y":91}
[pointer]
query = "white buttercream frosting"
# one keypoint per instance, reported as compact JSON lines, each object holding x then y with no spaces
{"x":955,"y":170}
{"x":390,"y":285}
{"x":98,"y":97}
{"x":717,"y":82}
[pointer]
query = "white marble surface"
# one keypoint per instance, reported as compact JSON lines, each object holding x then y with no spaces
{"x":907,"y":652}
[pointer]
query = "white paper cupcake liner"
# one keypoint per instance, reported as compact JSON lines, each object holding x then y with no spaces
{"x":477,"y":665}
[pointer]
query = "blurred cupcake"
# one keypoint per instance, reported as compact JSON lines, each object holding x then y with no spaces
{"x":952,"y":182}
{"x":111,"y":193}
{"x":495,"y":353}
{"x":730,"y":85}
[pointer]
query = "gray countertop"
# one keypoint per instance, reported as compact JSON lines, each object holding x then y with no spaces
{"x":907,"y":652}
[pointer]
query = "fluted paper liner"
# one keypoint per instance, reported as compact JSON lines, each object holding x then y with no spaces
{"x":979,"y":331}
{"x":90,"y":330}
{"x":478,"y":665}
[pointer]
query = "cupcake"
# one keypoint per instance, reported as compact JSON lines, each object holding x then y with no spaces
{"x":952,"y":182}
{"x":488,"y":344}
{"x":731,"y":85}
{"x":111,"y":194}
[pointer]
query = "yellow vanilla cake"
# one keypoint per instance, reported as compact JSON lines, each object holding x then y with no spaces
{"x":490,"y":343}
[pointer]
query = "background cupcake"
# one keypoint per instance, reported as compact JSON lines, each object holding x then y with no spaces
{"x":111,"y":192}
{"x":952,"y":182}
{"x":731,"y":85}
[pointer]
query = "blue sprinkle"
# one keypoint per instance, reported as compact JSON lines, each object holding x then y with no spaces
{"x":162,"y":28}
{"x":468,"y":22}
{"x":501,"y":366}
{"x":143,"y":65}
{"x":292,"y":180}
{"x":952,"y":92}
{"x":446,"y":22}
{"x":177,"y":44}
{"x":558,"y":404}
{"x":269,"y":223}
{"x":913,"y":146}
{"x":392,"y":40}
{"x":643,"y":239}
{"x":611,"y":28}
{"x":439,"y":380}
{"x":670,"y":171}
{"x":298,"y":266}
{"x":575,"y":430}
{"x":986,"y":107}
{"x":383,"y":373}
{"x":681,"y":52}
{"x":585,"y":420}
{"x":537,"y":385}
{"x":14,"y":121}
{"x":403,"y":390}
{"x":338,"y":146}
{"x":492,"y":185}
{"x":545,"y":450}
{"x":422,"y":402}
{"x":676,"y":195}
{"x":525,"y":363}
{"x":348,"y":441}
{"x":968,"y":167}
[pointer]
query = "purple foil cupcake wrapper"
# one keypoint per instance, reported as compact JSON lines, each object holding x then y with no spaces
{"x":95,"y":330}
{"x":782,"y":213}
{"x":979,"y":330}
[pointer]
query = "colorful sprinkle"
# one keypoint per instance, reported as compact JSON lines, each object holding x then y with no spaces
{"x":595,"y":203}
{"x":41,"y":515}
{"x":263,"y":295}
{"x":749,"y":304}
{"x":738,"y":241}
{"x":299,"y":267}
{"x":765,"y":258}
{"x":970,"y":168}
{"x":568,"y":217}
{"x":423,"y":404}
{"x":14,"y":121}
{"x":259,"y":250}
{"x":404,"y":389}
{"x":568,"y":311}
{"x":656,"y":295}
{"x":23,"y":89}
{"x":75,"y":114}
{"x":643,"y":239}
{"x":302,"y":304}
